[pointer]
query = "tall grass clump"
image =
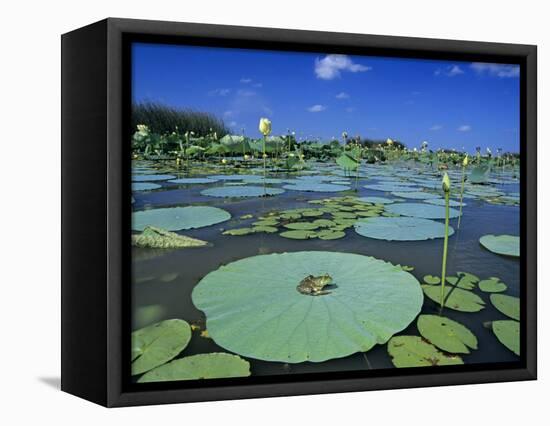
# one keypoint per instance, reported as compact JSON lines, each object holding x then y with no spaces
{"x":164,"y":119}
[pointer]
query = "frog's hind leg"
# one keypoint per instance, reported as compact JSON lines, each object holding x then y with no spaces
{"x":321,"y":292}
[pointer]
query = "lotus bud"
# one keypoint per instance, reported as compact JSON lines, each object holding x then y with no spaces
{"x":265,"y":126}
{"x":264,"y":156}
{"x":446,"y":183}
{"x":224,"y":161}
{"x":389,"y":141}
{"x":465,"y":161}
{"x":215,"y":136}
{"x":291,"y":155}
{"x":246,"y":156}
{"x":345,"y":135}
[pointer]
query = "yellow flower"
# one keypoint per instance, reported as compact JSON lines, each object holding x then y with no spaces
{"x":446,"y":183}
{"x":265,"y":126}
{"x":465,"y":161}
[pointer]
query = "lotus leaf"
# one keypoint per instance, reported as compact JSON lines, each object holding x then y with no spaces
{"x":455,"y":298}
{"x":298,"y":234}
{"x":144,"y":186}
{"x":413,"y":351}
{"x":446,"y":334}
{"x":492,"y":285}
{"x":202,"y":366}
{"x":390,"y":188}
{"x":400,"y":228}
{"x":151,"y":178}
{"x":239,"y":231}
{"x":309,"y":226}
{"x":189,"y":181}
{"x":467,"y":281}
{"x":416,"y":195}
{"x":508,"y":305}
{"x":479,"y":174}
{"x":178,"y":218}
{"x":266,"y":228}
{"x":431,"y":279}
{"x":376,"y":200}
{"x":441,"y":202}
{"x":158,"y":343}
{"x":316,"y":187}
{"x":253,"y":308}
{"x":153,"y":237}
{"x":331,"y":234}
{"x":421,"y":210}
{"x":241,"y":191}
{"x":507,"y":245}
{"x":507,"y":332}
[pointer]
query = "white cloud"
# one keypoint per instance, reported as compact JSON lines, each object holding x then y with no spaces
{"x":331,"y":66}
{"x":436,"y":127}
{"x":449,"y":71}
{"x":317,"y":108}
{"x":464,"y":128}
{"x":496,"y":70}
{"x":246,"y":80}
{"x":219,"y":92}
{"x":342,"y":95}
{"x":350,"y":109}
{"x":246,"y":93}
{"x":257,"y":85}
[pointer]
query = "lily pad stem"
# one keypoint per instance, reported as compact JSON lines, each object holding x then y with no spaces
{"x":445,"y":244}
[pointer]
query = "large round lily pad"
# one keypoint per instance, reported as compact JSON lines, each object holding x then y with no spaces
{"x":158,"y":343}
{"x":241,"y":191}
{"x":446,"y":334}
{"x":178,"y":218}
{"x":507,"y":332}
{"x":316,"y":187}
{"x":253,"y":306}
{"x":145,"y":186}
{"x":202,"y":366}
{"x":401,"y":228}
{"x":421,"y":210}
{"x":508,"y":305}
{"x":507,"y":245}
{"x":413,"y":351}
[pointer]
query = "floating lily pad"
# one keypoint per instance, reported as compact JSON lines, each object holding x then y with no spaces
{"x":145,"y":186}
{"x":151,"y":178}
{"x":178,"y":218}
{"x":508,"y":305}
{"x":455,"y":298}
{"x":376,"y":200}
{"x":253,"y":308}
{"x":507,"y":245}
{"x":191,"y":181}
{"x":202,"y":366}
{"x":239,"y":231}
{"x":492,"y":285}
{"x":391,"y":188}
{"x":298,"y":234}
{"x":153,"y":237}
{"x":421,"y":210}
{"x":316,"y":187}
{"x":416,"y":195}
{"x":241,"y":191}
{"x":413,"y":351}
{"x":302,"y":225}
{"x":507,"y":332}
{"x":158,"y":343}
{"x":441,"y":202}
{"x":446,"y":334}
{"x":331,"y":235}
{"x":466,"y":280}
{"x":431,"y":279}
{"x":401,"y":228}
{"x":265,"y":228}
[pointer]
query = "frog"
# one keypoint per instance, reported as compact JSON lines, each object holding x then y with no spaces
{"x":313,"y":286}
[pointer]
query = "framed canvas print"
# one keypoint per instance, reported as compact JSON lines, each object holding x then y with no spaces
{"x":253,"y":212}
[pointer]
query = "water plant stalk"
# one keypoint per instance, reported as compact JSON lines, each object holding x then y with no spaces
{"x":464,"y":164}
{"x":446,"y":185}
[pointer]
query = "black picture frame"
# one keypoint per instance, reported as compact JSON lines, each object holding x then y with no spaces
{"x":96,"y":210}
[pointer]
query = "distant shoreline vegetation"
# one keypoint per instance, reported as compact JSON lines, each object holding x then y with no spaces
{"x":164,"y":119}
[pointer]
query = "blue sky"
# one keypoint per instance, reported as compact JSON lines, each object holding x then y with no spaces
{"x":449,"y":104}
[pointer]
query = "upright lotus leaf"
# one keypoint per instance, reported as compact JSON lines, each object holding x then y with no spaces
{"x":347,"y":162}
{"x":153,"y":237}
{"x":202,"y":366}
{"x":455,"y":298}
{"x":400,"y":228}
{"x":145,"y":186}
{"x":492,"y":285}
{"x":178,"y":218}
{"x":253,"y":307}
{"x":507,"y":332}
{"x":421,"y":210}
{"x":158,"y":343}
{"x":413,"y":351}
{"x":508,"y":305}
{"x":446,"y":334}
{"x":506,"y":245}
{"x":241,"y":191}
{"x":479,"y":174}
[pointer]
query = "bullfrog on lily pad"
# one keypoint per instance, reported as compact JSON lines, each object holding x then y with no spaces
{"x":313,"y":286}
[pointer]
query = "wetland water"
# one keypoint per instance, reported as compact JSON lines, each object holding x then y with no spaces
{"x":163,"y":279}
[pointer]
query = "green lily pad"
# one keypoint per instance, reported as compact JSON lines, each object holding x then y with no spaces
{"x":324,"y":223}
{"x":299,"y":234}
{"x":153,"y":237}
{"x":401,"y":228}
{"x":144,"y":186}
{"x":441,"y":202}
{"x":377,"y":200}
{"x":446,"y":334}
{"x":413,"y":351}
{"x":431,"y":279}
{"x":507,"y":245}
{"x":421,"y":210}
{"x":158,"y":343}
{"x":331,"y":235}
{"x":253,"y":307}
{"x":192,"y":181}
{"x":467,"y":281}
{"x":316,"y":187}
{"x":309,"y":226}
{"x":239,"y":231}
{"x":417,"y":195}
{"x":241,"y":191}
{"x":492,"y":285}
{"x":458,"y":299}
{"x":508,"y":305}
{"x":202,"y":366}
{"x":507,"y":332}
{"x":178,"y":218}
{"x":390,"y":187}
{"x":265,"y":228}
